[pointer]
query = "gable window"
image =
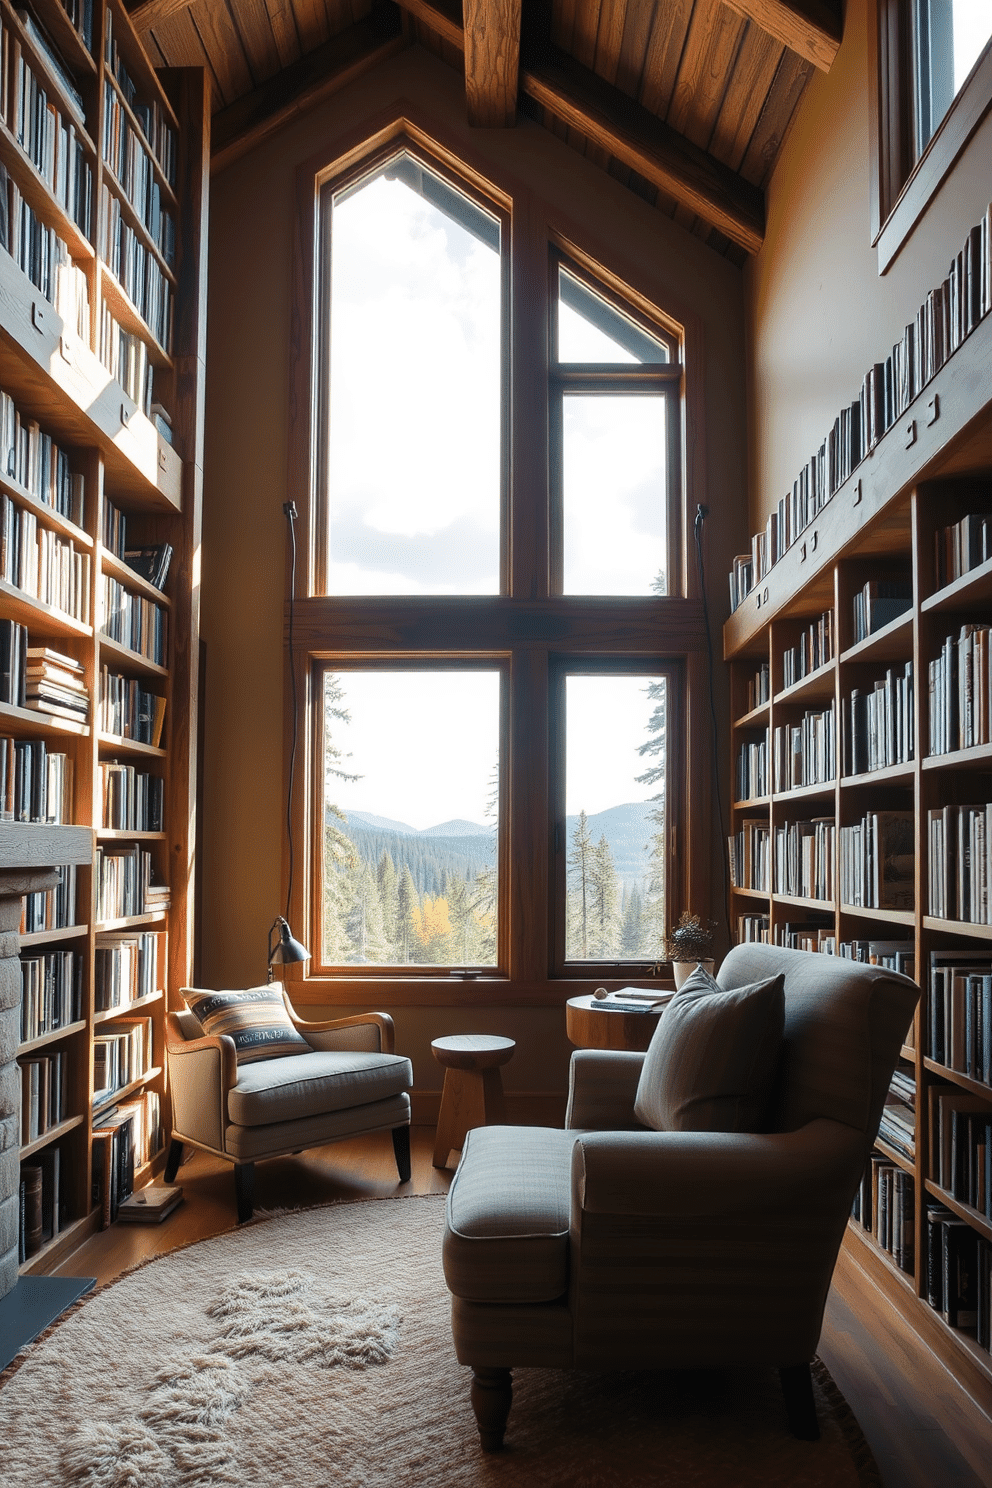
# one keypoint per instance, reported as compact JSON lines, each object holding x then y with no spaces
{"x":494,"y":626}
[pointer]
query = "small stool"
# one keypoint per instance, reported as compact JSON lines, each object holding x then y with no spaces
{"x":473,"y":1087}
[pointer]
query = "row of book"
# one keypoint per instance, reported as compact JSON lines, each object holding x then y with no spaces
{"x":959,"y":1273}
{"x":961,"y":1146}
{"x":885,"y":1206}
{"x":752,"y":928}
{"x":134,"y":621}
{"x":959,"y":866}
{"x":877,"y":861}
{"x":959,"y":687}
{"x":42,"y":1212}
{"x":44,"y":1094}
{"x":880,"y":723}
{"x":44,"y":116}
{"x":125,"y":356}
{"x":126,"y":1136}
{"x":813,"y":649}
{"x":136,"y":268}
{"x":878,"y":603}
{"x":42,"y":564}
{"x":43,"y":255}
{"x":805,"y":937}
{"x":759,"y":687}
{"x":124,"y":882}
{"x":948,"y":315}
{"x":51,"y":992}
{"x":804,"y":858}
{"x":122,"y":1053}
{"x":133,"y":800}
{"x":31,"y":457}
{"x":151,"y":116}
{"x":125,"y":968}
{"x":124,"y":151}
{"x":805,"y":752}
{"x":959,"y":1013}
{"x":128,"y":710}
{"x":35,"y":782}
{"x":51,"y":909}
{"x":752,"y":775}
{"x":962,"y":546}
{"x":897,"y":1127}
{"x":894,"y":955}
{"x":152,"y":561}
{"x":750,"y":855}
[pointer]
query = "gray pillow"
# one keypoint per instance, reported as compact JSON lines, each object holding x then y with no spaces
{"x":712,"y":1061}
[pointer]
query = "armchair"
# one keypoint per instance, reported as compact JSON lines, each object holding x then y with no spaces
{"x":344,"y":1082}
{"x":611,"y":1246}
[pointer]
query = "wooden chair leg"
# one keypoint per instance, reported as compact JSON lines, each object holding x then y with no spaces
{"x":492,"y":1396}
{"x":244,"y":1188}
{"x":401,"y":1151}
{"x":800,"y":1407}
{"x":173,"y":1160}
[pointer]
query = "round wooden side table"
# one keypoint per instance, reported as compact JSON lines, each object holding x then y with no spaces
{"x":590,"y":1025}
{"x":473,"y":1087}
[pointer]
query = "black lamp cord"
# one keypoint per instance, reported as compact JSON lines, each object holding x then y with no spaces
{"x":701,"y":514}
{"x":290,"y":512}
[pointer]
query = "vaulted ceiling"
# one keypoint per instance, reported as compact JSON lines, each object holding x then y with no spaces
{"x":687,"y":102}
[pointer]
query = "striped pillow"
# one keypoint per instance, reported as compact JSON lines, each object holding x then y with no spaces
{"x":256,"y":1019}
{"x":712,"y":1061}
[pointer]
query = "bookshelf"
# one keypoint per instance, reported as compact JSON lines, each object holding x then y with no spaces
{"x":104,"y":181}
{"x":930,"y":469}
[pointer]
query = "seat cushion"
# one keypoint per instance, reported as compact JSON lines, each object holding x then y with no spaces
{"x":712,"y":1062}
{"x":255,"y":1018}
{"x":506,"y":1238}
{"x":306,"y":1085}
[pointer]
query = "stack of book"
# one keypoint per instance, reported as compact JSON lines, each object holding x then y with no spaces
{"x":752,"y":927}
{"x":151,"y":563}
{"x":759,"y":687}
{"x":13,"y":662}
{"x":41,"y":1201}
{"x":55,"y":684}
{"x":898,"y":1124}
{"x":128,"y":711}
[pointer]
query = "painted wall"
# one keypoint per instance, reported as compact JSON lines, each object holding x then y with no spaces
{"x":818,"y":312}
{"x":251,"y":245}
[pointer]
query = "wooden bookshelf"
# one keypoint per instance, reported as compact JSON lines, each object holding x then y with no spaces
{"x":135,"y":439}
{"x":931,"y":468}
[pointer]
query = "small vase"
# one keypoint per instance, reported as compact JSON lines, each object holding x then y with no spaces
{"x":684,"y":969}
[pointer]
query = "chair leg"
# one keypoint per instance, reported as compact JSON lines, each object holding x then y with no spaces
{"x":401,"y":1151}
{"x":492,"y":1396}
{"x":173,"y":1160}
{"x":797,"y":1388}
{"x":244,"y":1188}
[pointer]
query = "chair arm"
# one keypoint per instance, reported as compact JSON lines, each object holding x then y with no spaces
{"x":602,"y":1085}
{"x":201,"y":1073}
{"x":329,"y":1034}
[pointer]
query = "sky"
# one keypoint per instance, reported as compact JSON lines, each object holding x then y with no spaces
{"x":972,"y":29}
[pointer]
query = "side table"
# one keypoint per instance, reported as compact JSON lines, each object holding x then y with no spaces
{"x":591,"y":1025}
{"x":473,"y":1087}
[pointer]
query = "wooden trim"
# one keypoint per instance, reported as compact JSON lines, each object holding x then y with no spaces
{"x":148,"y":13}
{"x":811,"y":28}
{"x":492,"y":61}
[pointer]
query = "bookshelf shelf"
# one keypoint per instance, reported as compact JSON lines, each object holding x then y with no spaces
{"x":53,"y":1037}
{"x":971,"y":589}
{"x":107,"y":1015}
{"x":958,"y":927}
{"x":118,"y":744}
{"x":751,"y":802}
{"x":34,"y":189}
{"x":798,"y":903}
{"x":894,"y":642}
{"x":53,"y":1134}
{"x":46,"y":514}
{"x":130,"y":317}
{"x":818,"y":684}
{"x":907,"y":1164}
{"x":132,"y":660}
{"x":958,"y":1077}
{"x":133,"y":922}
{"x":168,"y":195}
{"x":755,"y":717}
{"x":963,"y":1211}
{"x":111,"y":564}
{"x":821,"y":790}
{"x":22,"y":721}
{"x":62,"y":1244}
{"x":891,"y":775}
{"x":125,"y":1091}
{"x":46,"y":937}
{"x":979,"y":757}
{"x":905,"y":917}
{"x":44,"y":619}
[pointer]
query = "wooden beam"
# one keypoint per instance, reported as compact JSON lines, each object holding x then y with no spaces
{"x":810,"y":28}
{"x":637,"y":138}
{"x":249,"y":120}
{"x":148,"y":13}
{"x":492,"y":61}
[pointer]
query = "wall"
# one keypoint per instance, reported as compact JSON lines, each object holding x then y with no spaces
{"x":818,"y":312}
{"x":251,"y":246}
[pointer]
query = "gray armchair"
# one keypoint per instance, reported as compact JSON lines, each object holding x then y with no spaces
{"x":345,"y":1083}
{"x":609,"y":1246}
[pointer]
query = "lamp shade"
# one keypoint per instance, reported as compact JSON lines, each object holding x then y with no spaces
{"x":286,"y":948}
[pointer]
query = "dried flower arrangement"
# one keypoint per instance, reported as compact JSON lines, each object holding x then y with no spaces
{"x":691,"y":940}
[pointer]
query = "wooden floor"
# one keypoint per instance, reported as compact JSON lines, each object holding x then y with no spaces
{"x":924,"y":1430}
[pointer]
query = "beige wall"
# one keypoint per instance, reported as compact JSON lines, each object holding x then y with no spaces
{"x":818,"y":312}
{"x":251,"y":245}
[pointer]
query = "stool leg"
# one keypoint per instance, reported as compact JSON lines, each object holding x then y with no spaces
{"x":493,"y":1099}
{"x":463,"y":1105}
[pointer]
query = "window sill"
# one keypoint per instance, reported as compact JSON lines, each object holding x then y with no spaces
{"x":466,"y":992}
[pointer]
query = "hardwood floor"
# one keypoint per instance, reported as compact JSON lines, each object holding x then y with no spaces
{"x":924,"y":1430}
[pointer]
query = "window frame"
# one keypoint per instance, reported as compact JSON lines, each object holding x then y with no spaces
{"x":526,"y":627}
{"x":901,"y":192}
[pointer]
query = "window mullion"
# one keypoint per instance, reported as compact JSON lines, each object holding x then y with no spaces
{"x":528,"y":525}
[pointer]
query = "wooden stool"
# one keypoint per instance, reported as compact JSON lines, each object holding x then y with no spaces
{"x":473,"y":1087}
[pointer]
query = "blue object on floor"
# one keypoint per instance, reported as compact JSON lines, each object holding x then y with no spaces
{"x":35,"y":1302}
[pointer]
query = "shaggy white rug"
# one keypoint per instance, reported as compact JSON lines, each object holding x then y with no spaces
{"x":313,"y":1349}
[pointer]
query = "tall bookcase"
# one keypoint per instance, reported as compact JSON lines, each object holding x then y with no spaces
{"x":932,"y":467}
{"x":105,"y":165}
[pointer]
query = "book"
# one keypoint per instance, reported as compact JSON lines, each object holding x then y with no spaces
{"x":150,"y":1205}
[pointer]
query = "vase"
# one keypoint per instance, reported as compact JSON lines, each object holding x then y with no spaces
{"x":684,"y":969}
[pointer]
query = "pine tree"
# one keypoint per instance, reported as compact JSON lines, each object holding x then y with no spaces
{"x":365,"y":920}
{"x":631,"y":928}
{"x":654,"y":919}
{"x":432,"y":932}
{"x":604,"y":894}
{"x":578,"y":906}
{"x":407,"y":901}
{"x":341,"y":866}
{"x":388,"y":882}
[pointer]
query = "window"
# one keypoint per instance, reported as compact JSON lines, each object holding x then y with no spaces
{"x":933,"y":86}
{"x":494,"y":624}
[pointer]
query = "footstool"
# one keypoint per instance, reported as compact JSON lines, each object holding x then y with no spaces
{"x":473,"y":1087}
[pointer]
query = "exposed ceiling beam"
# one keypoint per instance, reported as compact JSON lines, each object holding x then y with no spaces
{"x":637,"y":138}
{"x":148,"y":13}
{"x":246,"y":122}
{"x":810,"y":28}
{"x":492,"y":61}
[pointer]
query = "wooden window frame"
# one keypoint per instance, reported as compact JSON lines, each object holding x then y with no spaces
{"x":901,"y":192}
{"x":528,"y":629}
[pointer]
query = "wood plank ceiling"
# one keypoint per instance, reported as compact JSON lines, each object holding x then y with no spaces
{"x":686,"y":102}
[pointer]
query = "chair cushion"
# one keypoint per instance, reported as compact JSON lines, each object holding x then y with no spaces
{"x":311,"y":1084}
{"x":506,"y":1238}
{"x":712,"y":1061}
{"x":256,"y":1019}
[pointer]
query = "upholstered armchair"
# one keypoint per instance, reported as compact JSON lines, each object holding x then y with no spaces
{"x":323,"y":1082}
{"x":611,"y":1245}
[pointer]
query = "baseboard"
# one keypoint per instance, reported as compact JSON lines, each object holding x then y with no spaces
{"x":523,"y":1108}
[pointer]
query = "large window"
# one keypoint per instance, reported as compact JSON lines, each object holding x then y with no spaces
{"x":494,"y":625}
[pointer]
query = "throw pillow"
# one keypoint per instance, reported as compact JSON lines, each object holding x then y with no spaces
{"x":712,"y":1061}
{"x":256,"y":1019}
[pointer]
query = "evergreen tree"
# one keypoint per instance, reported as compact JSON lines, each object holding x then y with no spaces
{"x":486,"y":899}
{"x":631,"y":928}
{"x":341,"y":866}
{"x":654,"y":919}
{"x":604,"y":895}
{"x":365,"y":919}
{"x":407,"y":901}
{"x":578,"y":907}
{"x":432,"y":932}
{"x":388,"y":883}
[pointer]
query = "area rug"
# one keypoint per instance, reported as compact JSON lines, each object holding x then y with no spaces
{"x":312,"y":1349}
